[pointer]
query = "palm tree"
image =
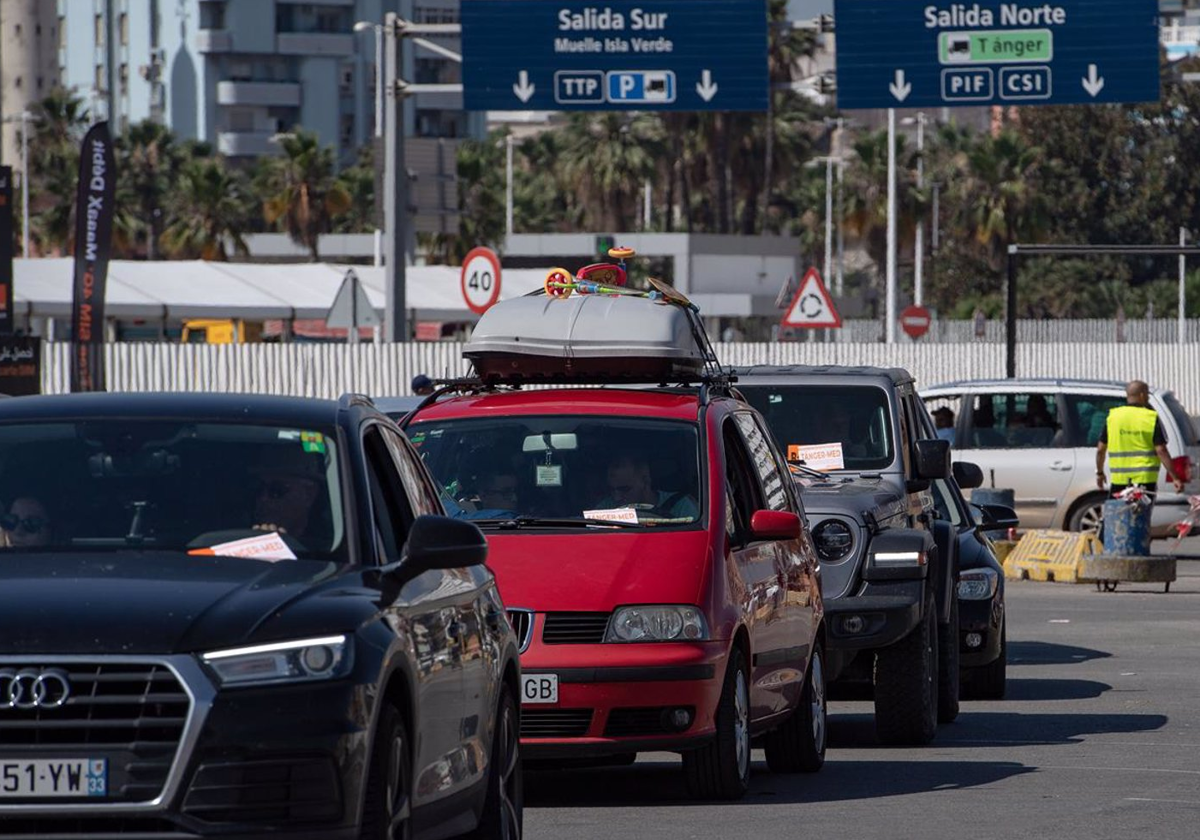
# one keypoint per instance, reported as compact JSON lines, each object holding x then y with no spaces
{"x":607,"y":158}
{"x":208,"y":210}
{"x":999,"y":193}
{"x":148,"y":161}
{"x":302,"y":194}
{"x":60,"y":122}
{"x":359,"y":183}
{"x":867,"y":191}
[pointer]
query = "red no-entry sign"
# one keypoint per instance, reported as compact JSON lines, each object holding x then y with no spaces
{"x":915,"y":321}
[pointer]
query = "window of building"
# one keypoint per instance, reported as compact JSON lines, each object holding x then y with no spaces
{"x":100,"y":39}
{"x":212,"y":14}
{"x":17,"y":30}
{"x":123,"y":27}
{"x":17,"y":82}
{"x":124,"y":79}
{"x":346,"y":78}
{"x":99,"y":81}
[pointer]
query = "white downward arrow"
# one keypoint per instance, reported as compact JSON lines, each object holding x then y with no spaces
{"x":706,"y":87}
{"x":1094,"y":83}
{"x":522,"y":88}
{"x":900,"y":88}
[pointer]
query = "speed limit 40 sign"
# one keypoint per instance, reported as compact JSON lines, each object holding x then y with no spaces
{"x":481,"y":279}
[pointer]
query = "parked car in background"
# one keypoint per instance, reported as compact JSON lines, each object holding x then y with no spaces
{"x":1038,"y":438}
{"x":243,"y":616}
{"x":889,"y":568}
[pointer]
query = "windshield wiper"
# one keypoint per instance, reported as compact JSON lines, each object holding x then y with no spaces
{"x":515,"y":522}
{"x":809,"y":471}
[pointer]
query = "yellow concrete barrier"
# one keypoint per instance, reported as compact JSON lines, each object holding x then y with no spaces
{"x":1053,"y":556}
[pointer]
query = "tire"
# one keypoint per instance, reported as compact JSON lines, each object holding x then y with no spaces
{"x":1086,"y":514}
{"x":721,"y":768}
{"x":504,"y":805}
{"x":387,"y":801}
{"x":948,"y":669}
{"x":798,"y":745}
{"x":906,"y":685}
{"x":989,"y":681}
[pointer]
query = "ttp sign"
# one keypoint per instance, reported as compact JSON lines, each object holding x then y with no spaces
{"x":668,"y":55}
{"x":921,"y":54}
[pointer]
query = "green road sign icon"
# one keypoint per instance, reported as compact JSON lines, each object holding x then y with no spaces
{"x":999,"y":47}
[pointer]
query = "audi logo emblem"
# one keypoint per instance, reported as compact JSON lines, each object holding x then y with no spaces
{"x":33,"y":688}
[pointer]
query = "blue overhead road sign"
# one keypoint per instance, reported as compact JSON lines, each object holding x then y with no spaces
{"x":923,"y":54}
{"x":670,"y":55}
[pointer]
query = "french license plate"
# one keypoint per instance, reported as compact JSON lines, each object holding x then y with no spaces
{"x":539,"y":688}
{"x":53,"y":777}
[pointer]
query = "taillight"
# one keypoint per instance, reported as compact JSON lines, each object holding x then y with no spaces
{"x":1183,"y":467}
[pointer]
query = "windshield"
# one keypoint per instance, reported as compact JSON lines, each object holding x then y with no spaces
{"x":571,"y":469}
{"x":267,"y":492}
{"x":827,"y":427}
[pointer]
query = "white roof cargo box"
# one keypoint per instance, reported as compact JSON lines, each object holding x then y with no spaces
{"x":598,"y":337}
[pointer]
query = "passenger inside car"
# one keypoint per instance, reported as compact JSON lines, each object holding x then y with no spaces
{"x":630,"y":485}
{"x":27,"y":524}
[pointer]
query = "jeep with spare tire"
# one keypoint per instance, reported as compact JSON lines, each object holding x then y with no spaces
{"x":865,"y":455}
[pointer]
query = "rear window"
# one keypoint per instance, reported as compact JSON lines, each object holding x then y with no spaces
{"x":1186,"y":430}
{"x":857,"y":418}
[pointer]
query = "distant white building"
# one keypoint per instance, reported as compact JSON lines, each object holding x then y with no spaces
{"x":235,"y":73}
{"x":29,"y":33}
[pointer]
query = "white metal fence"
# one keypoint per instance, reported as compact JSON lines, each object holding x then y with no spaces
{"x":327,"y":370}
{"x":1093,"y":331}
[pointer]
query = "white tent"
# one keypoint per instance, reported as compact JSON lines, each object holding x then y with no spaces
{"x":173,"y":290}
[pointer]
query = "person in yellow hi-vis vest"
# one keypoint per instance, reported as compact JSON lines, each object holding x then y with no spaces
{"x":1135,"y":444}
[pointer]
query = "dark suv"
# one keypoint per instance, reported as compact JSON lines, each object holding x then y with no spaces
{"x":245,"y":617}
{"x":889,"y":565}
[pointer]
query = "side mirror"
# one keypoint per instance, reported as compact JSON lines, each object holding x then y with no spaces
{"x":933,"y":459}
{"x":439,"y":542}
{"x":967,"y":476}
{"x":995,"y":517}
{"x":774,"y":525}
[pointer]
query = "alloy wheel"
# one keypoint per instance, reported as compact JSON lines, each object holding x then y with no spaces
{"x":817,"y":707}
{"x":511,"y":782}
{"x":741,"y":724}
{"x":397,"y":790}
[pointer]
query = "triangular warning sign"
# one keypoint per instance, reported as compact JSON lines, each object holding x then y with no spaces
{"x":351,"y":307}
{"x":812,"y":307}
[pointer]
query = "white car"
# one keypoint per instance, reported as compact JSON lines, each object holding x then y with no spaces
{"x":1038,"y":437}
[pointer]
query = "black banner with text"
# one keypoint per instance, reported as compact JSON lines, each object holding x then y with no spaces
{"x":7,"y":232}
{"x":93,"y":244}
{"x":20,"y":366}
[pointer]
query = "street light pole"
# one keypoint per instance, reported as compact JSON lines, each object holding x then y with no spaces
{"x":25,"y":115}
{"x":508,"y":186}
{"x":919,"y":249}
{"x":890,"y":308}
{"x":378,"y":129}
{"x":395,"y":191}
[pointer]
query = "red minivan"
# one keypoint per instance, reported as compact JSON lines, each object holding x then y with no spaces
{"x":653,"y":555}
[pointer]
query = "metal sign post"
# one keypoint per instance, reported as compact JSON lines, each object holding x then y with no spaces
{"x":1015,"y":252}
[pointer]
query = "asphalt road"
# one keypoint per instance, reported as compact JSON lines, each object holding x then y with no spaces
{"x":1099,"y":737}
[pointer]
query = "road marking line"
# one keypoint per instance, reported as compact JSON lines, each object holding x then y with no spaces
{"x":1168,"y":801}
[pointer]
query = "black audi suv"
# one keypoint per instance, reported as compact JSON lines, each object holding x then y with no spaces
{"x":242,"y":617}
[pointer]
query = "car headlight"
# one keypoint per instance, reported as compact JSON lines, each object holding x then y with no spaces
{"x":325,"y":658}
{"x":833,"y":540}
{"x":656,"y":624}
{"x":978,"y":584}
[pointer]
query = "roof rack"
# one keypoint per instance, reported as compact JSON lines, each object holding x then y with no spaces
{"x":591,"y":329}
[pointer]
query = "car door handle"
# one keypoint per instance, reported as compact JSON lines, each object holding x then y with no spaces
{"x":1061,"y":466}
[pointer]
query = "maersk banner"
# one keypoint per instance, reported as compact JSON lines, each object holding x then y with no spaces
{"x":644,"y":55}
{"x":921,"y":54}
{"x":93,"y":245}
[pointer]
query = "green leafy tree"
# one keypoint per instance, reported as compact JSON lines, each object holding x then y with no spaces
{"x":208,"y":212}
{"x":60,"y":121}
{"x":300,"y":194}
{"x":607,"y":158}
{"x":148,"y":160}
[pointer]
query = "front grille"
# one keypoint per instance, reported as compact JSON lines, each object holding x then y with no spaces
{"x":574,"y":628}
{"x":555,"y":723}
{"x":628,"y":723}
{"x":283,"y":792}
{"x":144,"y":827}
{"x":522,"y":625}
{"x":131,"y":714}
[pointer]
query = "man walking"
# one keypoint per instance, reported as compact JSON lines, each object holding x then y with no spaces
{"x":1135,"y":444}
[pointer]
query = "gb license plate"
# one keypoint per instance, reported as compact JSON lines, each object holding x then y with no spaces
{"x":49,"y":778}
{"x":539,"y":688}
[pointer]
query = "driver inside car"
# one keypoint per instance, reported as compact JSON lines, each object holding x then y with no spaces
{"x":630,"y":485}
{"x":289,"y":481}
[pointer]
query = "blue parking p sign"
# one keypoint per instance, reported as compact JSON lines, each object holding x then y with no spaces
{"x":563,"y":55}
